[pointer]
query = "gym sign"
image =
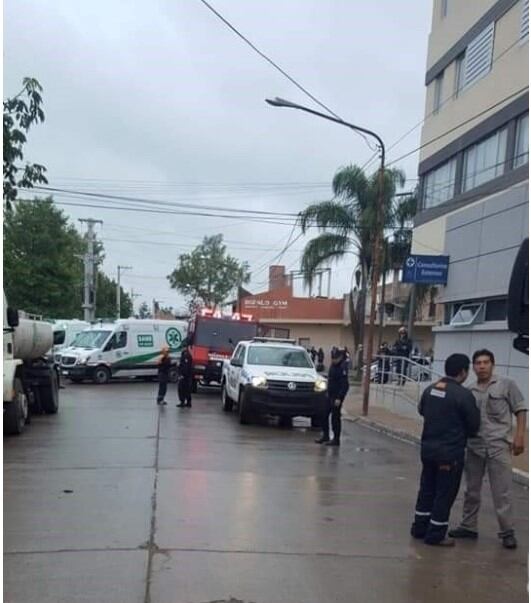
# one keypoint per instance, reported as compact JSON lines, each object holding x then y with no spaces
{"x":266,"y":304}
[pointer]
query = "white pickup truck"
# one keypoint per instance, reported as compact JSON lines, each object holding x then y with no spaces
{"x":272,"y":376}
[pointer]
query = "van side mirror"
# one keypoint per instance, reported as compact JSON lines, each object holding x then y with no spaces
{"x":13,"y":319}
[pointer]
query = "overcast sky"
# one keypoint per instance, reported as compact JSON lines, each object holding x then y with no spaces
{"x":158,"y":99}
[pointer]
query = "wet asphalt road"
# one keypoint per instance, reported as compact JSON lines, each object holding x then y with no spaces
{"x":114,"y":501}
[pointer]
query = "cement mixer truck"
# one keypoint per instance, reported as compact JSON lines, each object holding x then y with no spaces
{"x":30,"y":380}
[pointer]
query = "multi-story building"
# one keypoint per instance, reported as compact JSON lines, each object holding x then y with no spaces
{"x":474,"y":170}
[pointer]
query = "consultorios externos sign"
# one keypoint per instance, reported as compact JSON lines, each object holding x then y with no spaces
{"x":427,"y":269}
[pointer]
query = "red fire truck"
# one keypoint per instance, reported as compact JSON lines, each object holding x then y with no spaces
{"x":213,"y":338}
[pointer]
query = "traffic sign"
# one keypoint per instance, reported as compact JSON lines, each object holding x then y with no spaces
{"x":427,"y":269}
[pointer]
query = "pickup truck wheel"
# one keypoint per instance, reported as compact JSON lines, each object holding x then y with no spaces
{"x":245,"y":411}
{"x":49,"y":395}
{"x":16,"y":411}
{"x":226,"y":402}
{"x":102,"y":375}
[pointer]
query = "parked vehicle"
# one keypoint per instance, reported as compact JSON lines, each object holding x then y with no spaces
{"x":272,"y":376}
{"x":30,"y":380}
{"x":125,"y":348}
{"x":213,"y":338}
{"x":64,"y":333}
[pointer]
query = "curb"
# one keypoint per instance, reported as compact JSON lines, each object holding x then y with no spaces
{"x":520,"y":477}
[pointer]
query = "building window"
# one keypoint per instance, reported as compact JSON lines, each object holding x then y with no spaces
{"x":496,"y":309}
{"x":439,"y":184}
{"x":459,"y":74}
{"x":444,"y":8}
{"x":467,"y":314}
{"x":521,"y":149}
{"x":524,"y":23}
{"x":478,"y":56}
{"x":437,"y":92}
{"x":485,"y":160}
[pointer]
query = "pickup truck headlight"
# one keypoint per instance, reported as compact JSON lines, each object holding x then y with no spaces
{"x":83,"y":361}
{"x":320,"y":385}
{"x":259,"y":381}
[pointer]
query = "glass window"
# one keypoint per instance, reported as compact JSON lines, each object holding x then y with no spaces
{"x":496,"y":309}
{"x":278,"y":356}
{"x":524,"y":23}
{"x":219,"y":335}
{"x":485,"y":160}
{"x":466,"y":314}
{"x":437,"y":92}
{"x":439,"y":184}
{"x":444,"y":8}
{"x":521,"y":149}
{"x":478,"y":58}
{"x":90,"y":339}
{"x":459,"y":74}
{"x":59,"y":337}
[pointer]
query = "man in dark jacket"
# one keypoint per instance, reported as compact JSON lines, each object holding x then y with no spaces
{"x":164,"y":365}
{"x":337,"y":390}
{"x":450,"y":417}
{"x":402,"y":350}
{"x":184,"y":385}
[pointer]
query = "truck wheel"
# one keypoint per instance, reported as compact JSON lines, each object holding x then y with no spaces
{"x":16,"y":411}
{"x":102,"y":375}
{"x":173,"y":376}
{"x":245,"y":411}
{"x":226,"y":402}
{"x":49,"y":395}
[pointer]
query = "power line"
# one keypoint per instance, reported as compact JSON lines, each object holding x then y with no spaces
{"x":278,"y":68}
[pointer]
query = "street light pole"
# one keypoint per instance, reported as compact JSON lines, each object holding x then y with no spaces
{"x":118,"y":291}
{"x":377,"y":243}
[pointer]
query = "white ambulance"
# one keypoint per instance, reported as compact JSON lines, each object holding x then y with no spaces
{"x":64,"y":333}
{"x":125,"y":348}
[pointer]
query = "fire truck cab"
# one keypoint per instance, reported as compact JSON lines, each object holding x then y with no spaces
{"x":213,"y":337}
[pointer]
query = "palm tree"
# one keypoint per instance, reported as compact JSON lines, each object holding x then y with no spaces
{"x":347,"y":224}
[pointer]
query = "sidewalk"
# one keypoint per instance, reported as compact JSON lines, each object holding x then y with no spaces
{"x":401,"y":421}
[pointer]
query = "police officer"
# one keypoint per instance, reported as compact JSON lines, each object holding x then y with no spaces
{"x":184,"y":386}
{"x":498,"y":399}
{"x":164,"y":365}
{"x":402,"y":349}
{"x":337,"y":390}
{"x":450,"y":417}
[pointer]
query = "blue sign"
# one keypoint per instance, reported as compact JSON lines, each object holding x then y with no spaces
{"x":427,"y":269}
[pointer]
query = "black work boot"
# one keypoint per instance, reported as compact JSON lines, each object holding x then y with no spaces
{"x":461,"y":532}
{"x":333,"y":442}
{"x":509,"y":541}
{"x":322,"y":440}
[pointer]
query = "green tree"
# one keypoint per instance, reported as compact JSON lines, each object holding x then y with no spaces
{"x":20,"y":113}
{"x":208,"y":274}
{"x":42,"y":260}
{"x":106,"y":298}
{"x":347,"y":224}
{"x":144,"y":311}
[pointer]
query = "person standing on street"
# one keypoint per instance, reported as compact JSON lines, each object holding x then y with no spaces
{"x":184,"y":386}
{"x":164,"y":365}
{"x":313,"y":353}
{"x":402,"y":349}
{"x":320,"y":360}
{"x":450,"y":417}
{"x":338,"y":386}
{"x":498,"y":399}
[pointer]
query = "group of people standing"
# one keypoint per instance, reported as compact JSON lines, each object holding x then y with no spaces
{"x":401,"y":350}
{"x":468,"y":429}
{"x":184,"y":376}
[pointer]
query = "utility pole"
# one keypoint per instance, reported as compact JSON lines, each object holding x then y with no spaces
{"x":89,"y":262}
{"x":118,"y":290}
{"x":133,"y":296}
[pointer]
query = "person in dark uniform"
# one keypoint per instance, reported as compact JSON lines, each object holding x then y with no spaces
{"x":450,"y":418}
{"x":313,"y":353}
{"x":320,"y":360}
{"x":164,"y":365}
{"x":384,"y":368}
{"x":337,"y":390}
{"x":184,"y":385}
{"x":402,"y":348}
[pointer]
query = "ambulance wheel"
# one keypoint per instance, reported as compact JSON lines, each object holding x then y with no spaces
{"x":16,"y":411}
{"x":102,"y":375}
{"x":226,"y":402}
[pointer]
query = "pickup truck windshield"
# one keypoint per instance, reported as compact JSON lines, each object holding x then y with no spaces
{"x":90,"y":339}
{"x":277,"y":356}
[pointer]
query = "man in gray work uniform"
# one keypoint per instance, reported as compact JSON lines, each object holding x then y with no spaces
{"x":498,"y":399}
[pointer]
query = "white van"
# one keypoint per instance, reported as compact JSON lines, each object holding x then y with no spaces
{"x":125,"y":348}
{"x":64,"y":333}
